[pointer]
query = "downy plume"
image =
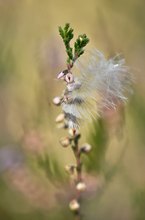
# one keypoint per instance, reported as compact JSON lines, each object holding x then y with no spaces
{"x":100,"y":84}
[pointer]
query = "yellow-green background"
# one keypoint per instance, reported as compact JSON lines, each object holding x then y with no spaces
{"x":31,"y":54}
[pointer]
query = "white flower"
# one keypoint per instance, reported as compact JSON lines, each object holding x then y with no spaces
{"x":74,"y":205}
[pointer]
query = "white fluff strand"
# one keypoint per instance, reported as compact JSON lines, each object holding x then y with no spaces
{"x":101,"y":83}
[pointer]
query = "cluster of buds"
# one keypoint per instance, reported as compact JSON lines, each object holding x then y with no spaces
{"x":73,"y":136}
{"x":74,"y":204}
{"x":60,"y":119}
{"x":71,"y":140}
{"x":69,"y":119}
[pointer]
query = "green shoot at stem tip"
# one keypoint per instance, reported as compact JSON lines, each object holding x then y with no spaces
{"x":67,"y":35}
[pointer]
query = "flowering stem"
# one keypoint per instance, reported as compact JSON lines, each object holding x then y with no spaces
{"x":78,"y":162}
{"x":73,"y":53}
{"x":77,"y":155}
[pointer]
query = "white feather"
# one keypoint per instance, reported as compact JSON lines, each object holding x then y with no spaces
{"x":101,"y":83}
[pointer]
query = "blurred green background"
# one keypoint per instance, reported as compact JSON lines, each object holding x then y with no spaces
{"x":33,"y":183}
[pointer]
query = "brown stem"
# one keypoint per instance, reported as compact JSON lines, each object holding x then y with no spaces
{"x":78,"y":216}
{"x":79,"y":167}
{"x":77,"y":155}
{"x":70,"y":65}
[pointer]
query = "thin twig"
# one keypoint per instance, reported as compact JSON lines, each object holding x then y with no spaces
{"x":77,"y":155}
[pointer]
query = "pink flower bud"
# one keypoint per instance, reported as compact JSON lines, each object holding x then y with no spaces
{"x":57,"y":101}
{"x":70,"y":169}
{"x":69,"y":78}
{"x":86,"y":148}
{"x":65,"y":142}
{"x":74,"y":205}
{"x":81,"y":186}
{"x":60,"y":75}
{"x":60,"y":118}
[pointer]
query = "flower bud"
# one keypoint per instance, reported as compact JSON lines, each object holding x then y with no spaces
{"x":60,"y":118}
{"x":74,"y":205}
{"x":70,"y":169}
{"x":81,"y":186}
{"x":67,"y":99}
{"x":62,"y":125}
{"x":57,"y":101}
{"x":65,"y":141}
{"x":72,"y":132}
{"x":69,"y":78}
{"x":86,"y":148}
{"x":60,"y":75}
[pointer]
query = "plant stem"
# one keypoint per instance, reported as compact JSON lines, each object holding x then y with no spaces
{"x":77,"y":155}
{"x":79,"y":165}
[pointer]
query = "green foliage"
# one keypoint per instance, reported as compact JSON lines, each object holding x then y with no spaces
{"x":67,"y":35}
{"x":51,"y":168}
{"x":98,"y":139}
{"x":80,"y":43}
{"x":96,"y":160}
{"x":7,"y":64}
{"x":137,"y":112}
{"x":139,"y":204}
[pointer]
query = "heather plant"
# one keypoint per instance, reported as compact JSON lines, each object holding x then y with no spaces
{"x":98,"y":84}
{"x":33,"y":181}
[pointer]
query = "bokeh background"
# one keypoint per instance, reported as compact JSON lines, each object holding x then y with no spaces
{"x":33,"y":182}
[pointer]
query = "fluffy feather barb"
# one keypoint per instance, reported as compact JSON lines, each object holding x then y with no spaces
{"x":101,"y":83}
